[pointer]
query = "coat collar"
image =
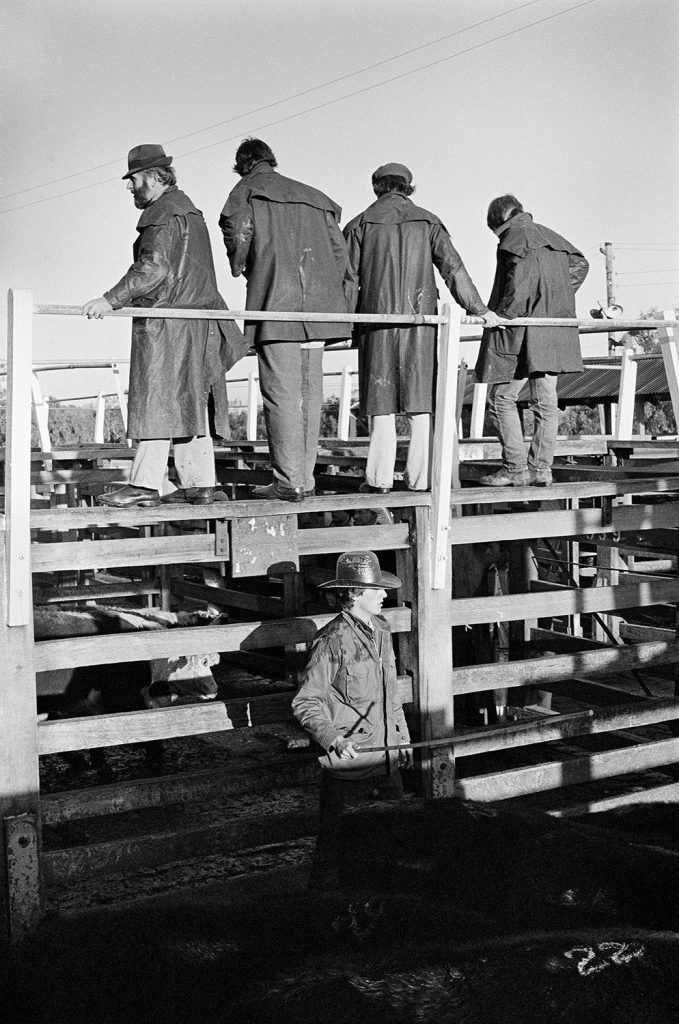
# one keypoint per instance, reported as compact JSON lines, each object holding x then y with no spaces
{"x":381,"y":627}
{"x":171,"y":203}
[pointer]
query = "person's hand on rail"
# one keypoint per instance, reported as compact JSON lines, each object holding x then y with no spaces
{"x":491,"y":319}
{"x":97,"y":308}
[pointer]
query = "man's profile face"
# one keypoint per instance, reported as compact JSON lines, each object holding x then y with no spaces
{"x":142,"y":191}
{"x":369,"y":602}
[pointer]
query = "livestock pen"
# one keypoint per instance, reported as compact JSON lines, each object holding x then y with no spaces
{"x":433,"y":537}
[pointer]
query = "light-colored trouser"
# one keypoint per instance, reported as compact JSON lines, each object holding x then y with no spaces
{"x":505,"y":417}
{"x":194,"y":460}
{"x":379,"y":470}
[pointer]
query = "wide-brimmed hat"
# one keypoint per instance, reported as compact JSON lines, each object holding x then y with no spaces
{"x":141,"y":158}
{"x":393,"y":171}
{"x":361,"y":569}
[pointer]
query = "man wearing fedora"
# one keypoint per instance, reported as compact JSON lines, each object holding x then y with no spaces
{"x":393,"y":248}
{"x":283,"y":236}
{"x":176,"y":366}
{"x":349,"y":699}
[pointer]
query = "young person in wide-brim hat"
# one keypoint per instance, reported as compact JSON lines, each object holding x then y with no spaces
{"x":349,"y":699}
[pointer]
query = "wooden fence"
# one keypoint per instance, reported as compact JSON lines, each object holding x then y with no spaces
{"x":423,"y":543}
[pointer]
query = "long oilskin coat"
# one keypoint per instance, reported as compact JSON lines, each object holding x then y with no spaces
{"x":283,"y":236}
{"x":175,"y":364}
{"x":393,"y":248}
{"x":538,"y":273}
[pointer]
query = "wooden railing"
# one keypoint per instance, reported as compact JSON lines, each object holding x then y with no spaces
{"x":422,"y":546}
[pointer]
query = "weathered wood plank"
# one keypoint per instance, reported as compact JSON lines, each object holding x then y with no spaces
{"x":611,"y":719}
{"x":46,"y":478}
{"x":167,"y":723}
{"x":94,"y":592}
{"x":507,"y":526}
{"x":564,"y":601}
{"x":140,"y":551}
{"x":539,"y":671}
{"x":639,"y":634}
{"x":259,"y":603}
{"x":167,"y":643}
{"x":96,"y":518}
{"x":538,"y":778}
{"x":667,"y":793}
{"x":344,"y":538}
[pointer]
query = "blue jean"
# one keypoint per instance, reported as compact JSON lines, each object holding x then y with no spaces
{"x":504,"y":412}
{"x":291,"y":382}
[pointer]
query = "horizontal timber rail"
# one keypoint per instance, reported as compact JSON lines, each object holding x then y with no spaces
{"x":144,"y":646}
{"x":591,"y":325}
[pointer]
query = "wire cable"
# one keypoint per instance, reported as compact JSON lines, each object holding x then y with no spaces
{"x":286,"y":99}
{"x":308,"y":110}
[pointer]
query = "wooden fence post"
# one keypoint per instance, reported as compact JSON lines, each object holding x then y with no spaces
{"x":251,"y":424}
{"x":344,"y":411}
{"x":99,"y":418}
{"x":435,"y":699}
{"x":624,"y":428}
{"x":670,"y":355}
{"x":122,"y":401}
{"x":445,"y":457}
{"x":42,"y":413}
{"x":20,"y":893}
{"x":478,"y":410}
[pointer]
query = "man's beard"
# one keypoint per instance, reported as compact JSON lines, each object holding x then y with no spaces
{"x":141,"y":197}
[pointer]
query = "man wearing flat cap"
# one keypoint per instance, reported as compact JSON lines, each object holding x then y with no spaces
{"x":283,"y":236}
{"x":349,"y":699}
{"x":393,"y":248}
{"x":176,"y":366}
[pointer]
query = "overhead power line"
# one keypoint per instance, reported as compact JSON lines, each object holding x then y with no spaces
{"x":286,"y":99}
{"x":319,"y":106}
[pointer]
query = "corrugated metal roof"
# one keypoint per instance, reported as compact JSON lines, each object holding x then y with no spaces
{"x":599,"y":383}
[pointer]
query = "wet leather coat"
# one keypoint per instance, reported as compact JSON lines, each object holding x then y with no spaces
{"x":175,"y":363}
{"x":538,"y":273}
{"x":393,"y":248}
{"x":283,"y":236}
{"x":349,"y":687}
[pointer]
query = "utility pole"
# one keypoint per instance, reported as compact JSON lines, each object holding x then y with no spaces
{"x":607,"y":253}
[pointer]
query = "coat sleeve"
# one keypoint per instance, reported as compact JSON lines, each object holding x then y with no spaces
{"x":149,"y":269}
{"x":310,"y":703}
{"x":520,"y":286}
{"x":238,"y":227}
{"x":578,"y":268}
{"x":347,"y":272}
{"x":352,"y":240}
{"x":448,"y":262}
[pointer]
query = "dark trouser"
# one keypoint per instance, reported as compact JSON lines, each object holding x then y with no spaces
{"x":336,"y":795}
{"x":291,"y":382}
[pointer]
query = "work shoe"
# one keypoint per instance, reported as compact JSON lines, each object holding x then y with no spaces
{"x":275,"y":493}
{"x":129,"y":496}
{"x":177,"y":497}
{"x":540,"y":477}
{"x":204,"y":495}
{"x":366,"y":488}
{"x":506,"y":478}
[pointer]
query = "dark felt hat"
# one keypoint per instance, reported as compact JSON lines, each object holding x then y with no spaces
{"x":393,"y":171}
{"x":361,"y":569}
{"x":141,"y":158}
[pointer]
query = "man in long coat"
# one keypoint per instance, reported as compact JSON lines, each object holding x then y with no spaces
{"x":283,"y":236}
{"x":538,"y":273}
{"x":175,"y":364}
{"x":393,"y":248}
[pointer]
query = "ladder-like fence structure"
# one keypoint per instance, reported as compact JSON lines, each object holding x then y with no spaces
{"x":432,"y":527}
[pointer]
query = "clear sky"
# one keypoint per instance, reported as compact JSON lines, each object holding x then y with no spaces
{"x":570,"y":104}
